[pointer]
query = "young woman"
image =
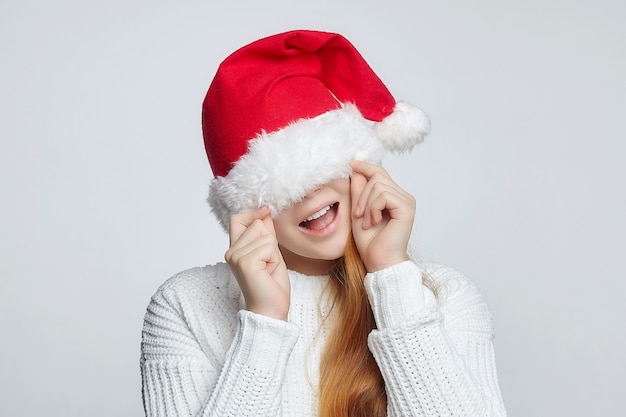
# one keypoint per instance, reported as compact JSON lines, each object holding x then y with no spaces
{"x":319,"y":309}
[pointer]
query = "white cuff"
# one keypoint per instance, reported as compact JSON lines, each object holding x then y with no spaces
{"x":266,"y":340}
{"x":396,"y":293}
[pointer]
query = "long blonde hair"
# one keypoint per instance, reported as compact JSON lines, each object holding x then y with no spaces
{"x":351,"y":384}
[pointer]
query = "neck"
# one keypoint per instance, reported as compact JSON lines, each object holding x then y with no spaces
{"x":307,"y":266}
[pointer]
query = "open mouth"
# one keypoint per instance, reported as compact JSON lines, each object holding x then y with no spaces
{"x":321,"y":218}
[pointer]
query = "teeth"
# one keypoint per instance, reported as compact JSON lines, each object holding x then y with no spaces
{"x":318,"y":214}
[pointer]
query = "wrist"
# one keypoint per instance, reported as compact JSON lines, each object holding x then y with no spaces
{"x":271,"y":310}
{"x":384,"y":264}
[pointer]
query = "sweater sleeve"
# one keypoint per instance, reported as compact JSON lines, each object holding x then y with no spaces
{"x":188,"y":372}
{"x":437,"y":359}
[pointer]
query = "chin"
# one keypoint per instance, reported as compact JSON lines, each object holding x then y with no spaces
{"x":316,"y":250}
{"x":329,"y":250}
{"x":332,"y":255}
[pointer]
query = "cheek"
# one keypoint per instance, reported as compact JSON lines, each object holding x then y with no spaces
{"x":286,"y":233}
{"x":342,"y":186}
{"x":282,"y":221}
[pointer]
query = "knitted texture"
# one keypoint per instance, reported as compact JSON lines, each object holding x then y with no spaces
{"x":203,"y":354}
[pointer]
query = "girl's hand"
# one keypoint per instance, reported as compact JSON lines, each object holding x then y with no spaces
{"x":257,"y":263}
{"x":382,"y":216}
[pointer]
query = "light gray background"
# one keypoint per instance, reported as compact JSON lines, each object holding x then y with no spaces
{"x":103,"y":179}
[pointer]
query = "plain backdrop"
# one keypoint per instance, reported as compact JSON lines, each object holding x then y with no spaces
{"x":104,"y":179}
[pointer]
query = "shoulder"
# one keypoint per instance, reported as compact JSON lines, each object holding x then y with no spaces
{"x":198,"y":276}
{"x":194,"y":313}
{"x":459,"y":299}
{"x":210,"y":286}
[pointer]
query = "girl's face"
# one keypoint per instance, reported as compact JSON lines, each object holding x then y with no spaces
{"x":313,"y":233}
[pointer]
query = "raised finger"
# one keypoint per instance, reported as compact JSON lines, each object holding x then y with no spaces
{"x":243,"y":255}
{"x":254,"y":231}
{"x":367,"y":169}
{"x":375,"y":203}
{"x":241,"y":221}
{"x":387,"y":197}
{"x":263,"y":253}
{"x":358,"y":182}
{"x":374,"y":184}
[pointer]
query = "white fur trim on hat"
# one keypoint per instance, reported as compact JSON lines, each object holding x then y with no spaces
{"x":281,"y":167}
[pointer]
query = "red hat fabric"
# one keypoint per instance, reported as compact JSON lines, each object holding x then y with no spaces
{"x":306,"y":95}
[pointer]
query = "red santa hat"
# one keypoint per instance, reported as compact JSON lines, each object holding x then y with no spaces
{"x":285,"y":114}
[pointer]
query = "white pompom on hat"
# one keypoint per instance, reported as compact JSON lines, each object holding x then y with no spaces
{"x":287,"y":113}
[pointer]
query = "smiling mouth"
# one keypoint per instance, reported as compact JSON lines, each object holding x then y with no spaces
{"x":322,"y":218}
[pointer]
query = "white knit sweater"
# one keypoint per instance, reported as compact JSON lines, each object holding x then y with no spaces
{"x":204,"y":355}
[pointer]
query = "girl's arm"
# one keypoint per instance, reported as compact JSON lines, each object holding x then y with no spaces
{"x":200,"y":357}
{"x":435,"y":361}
